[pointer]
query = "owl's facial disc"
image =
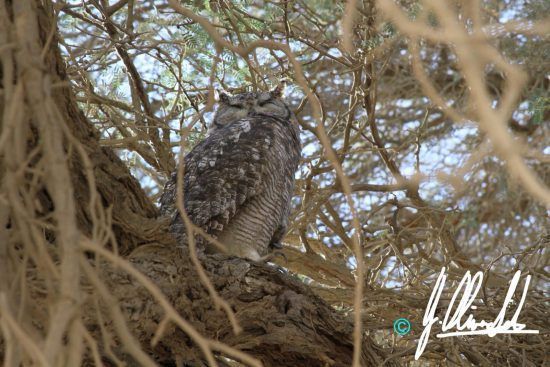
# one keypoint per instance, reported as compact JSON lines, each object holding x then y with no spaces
{"x":270,"y":104}
{"x":230,"y":108}
{"x":234,"y":108}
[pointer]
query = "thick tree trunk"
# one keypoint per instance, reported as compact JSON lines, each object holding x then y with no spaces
{"x":283,"y":323}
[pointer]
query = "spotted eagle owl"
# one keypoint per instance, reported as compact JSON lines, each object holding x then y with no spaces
{"x":238,"y":182}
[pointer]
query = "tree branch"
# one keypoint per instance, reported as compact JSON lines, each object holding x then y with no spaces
{"x":283,"y":322}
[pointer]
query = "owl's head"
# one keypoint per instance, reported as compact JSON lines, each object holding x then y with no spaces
{"x":235,"y":107}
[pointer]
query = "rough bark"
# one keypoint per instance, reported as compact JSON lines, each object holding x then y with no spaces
{"x":134,"y":216}
{"x":284,"y":323}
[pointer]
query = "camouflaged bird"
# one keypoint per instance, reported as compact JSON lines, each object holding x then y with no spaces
{"x":238,"y":182}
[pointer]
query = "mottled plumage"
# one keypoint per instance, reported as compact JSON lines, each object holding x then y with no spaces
{"x":238,"y":182}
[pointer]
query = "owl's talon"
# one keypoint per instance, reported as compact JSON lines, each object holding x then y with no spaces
{"x":267,"y":258}
{"x":276,"y":245}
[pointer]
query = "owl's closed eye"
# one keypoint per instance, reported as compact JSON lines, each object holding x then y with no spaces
{"x":232,"y":108}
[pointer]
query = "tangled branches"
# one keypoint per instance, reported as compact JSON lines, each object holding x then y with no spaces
{"x":425,"y":146}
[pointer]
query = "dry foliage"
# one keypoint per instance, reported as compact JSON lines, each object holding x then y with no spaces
{"x":425,"y":133}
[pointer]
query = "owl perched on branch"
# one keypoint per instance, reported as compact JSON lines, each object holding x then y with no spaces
{"x":238,"y":182}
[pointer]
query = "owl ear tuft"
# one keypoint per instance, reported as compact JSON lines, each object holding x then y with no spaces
{"x":222,"y":96}
{"x":279,"y":90}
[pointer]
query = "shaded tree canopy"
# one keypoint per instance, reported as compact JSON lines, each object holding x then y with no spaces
{"x":425,"y":145}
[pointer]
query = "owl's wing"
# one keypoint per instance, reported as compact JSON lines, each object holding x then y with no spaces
{"x":220,"y":174}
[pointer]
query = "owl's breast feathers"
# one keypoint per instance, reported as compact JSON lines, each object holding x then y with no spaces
{"x":238,"y":183}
